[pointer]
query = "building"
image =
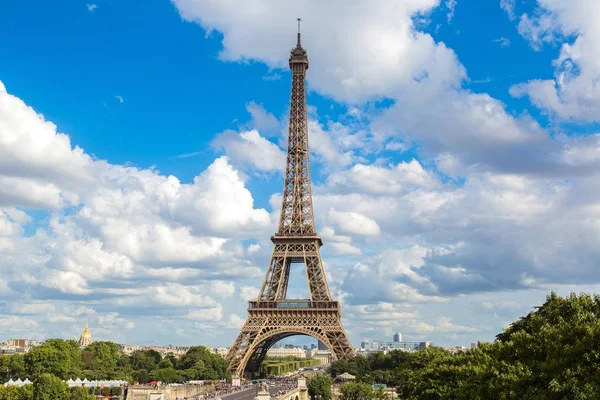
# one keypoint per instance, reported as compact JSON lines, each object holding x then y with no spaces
{"x":365,"y":345}
{"x":177,"y":351}
{"x":313,"y":346}
{"x":222,"y":351}
{"x":17,"y":346}
{"x":322,"y":355}
{"x":385,"y":345}
{"x":456,"y":349}
{"x":86,"y":337}
{"x":25,"y":343}
{"x":286,"y":352}
{"x":322,"y":346}
{"x":397,"y":337}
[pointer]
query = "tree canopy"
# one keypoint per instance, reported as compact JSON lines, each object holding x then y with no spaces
{"x":101,"y":360}
{"x":319,"y":387}
{"x":552,"y":353}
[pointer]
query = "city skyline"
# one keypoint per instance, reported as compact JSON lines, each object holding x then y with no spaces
{"x":454,"y":164}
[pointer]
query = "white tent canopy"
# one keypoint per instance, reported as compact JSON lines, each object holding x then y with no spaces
{"x":345,"y":377}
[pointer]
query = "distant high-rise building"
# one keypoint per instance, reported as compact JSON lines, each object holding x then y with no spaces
{"x":322,"y":346}
{"x":313,"y":346}
{"x":397,"y":337}
{"x":365,"y":344}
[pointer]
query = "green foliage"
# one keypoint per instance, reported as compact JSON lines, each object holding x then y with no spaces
{"x":81,"y":393}
{"x":552,"y":353}
{"x":56,"y":356}
{"x":199,"y":363}
{"x":358,"y":366}
{"x":50,"y":387}
{"x":12,"y":366}
{"x":142,"y":360}
{"x":356,"y":391}
{"x":168,"y":375}
{"x":319,"y":387}
{"x":103,"y":358}
{"x":16,"y":393}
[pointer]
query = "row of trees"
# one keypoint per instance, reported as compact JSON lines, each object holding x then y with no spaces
{"x":50,"y":387}
{"x":101,"y":360}
{"x":280,"y":366}
{"x":552,"y":353}
{"x":319,"y":388}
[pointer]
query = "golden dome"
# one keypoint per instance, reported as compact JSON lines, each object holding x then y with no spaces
{"x":86,"y":337}
{"x":86,"y":332}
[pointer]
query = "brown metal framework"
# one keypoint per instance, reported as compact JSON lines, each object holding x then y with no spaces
{"x":272,"y":316}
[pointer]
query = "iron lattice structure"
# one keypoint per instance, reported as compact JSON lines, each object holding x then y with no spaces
{"x":273,"y":316}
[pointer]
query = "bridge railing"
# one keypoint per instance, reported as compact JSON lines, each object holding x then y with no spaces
{"x":294,"y":304}
{"x":291,"y":395}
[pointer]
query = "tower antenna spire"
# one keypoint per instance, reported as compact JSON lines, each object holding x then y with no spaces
{"x":299,"y":44}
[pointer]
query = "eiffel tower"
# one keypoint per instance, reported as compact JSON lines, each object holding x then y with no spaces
{"x":273,"y":316}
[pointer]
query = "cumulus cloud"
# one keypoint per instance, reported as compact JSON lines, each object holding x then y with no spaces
{"x":352,"y":222}
{"x":376,"y":52}
{"x":572,"y":94}
{"x":119,"y":237}
{"x":250,"y":149}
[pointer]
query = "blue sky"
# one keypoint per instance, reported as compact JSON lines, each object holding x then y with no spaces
{"x":454,"y":161}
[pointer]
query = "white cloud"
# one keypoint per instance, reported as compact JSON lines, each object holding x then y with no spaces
{"x":450,"y":5}
{"x":31,"y":308}
{"x":235,"y":322}
{"x":380,"y":180}
{"x":91,"y":7}
{"x":249,"y":293}
{"x":120,"y":99}
{"x":60,"y":319}
{"x":380,"y":54}
{"x":509,"y":7}
{"x":250,"y":149}
{"x":572,"y":94}
{"x":223,"y":289}
{"x":37,"y":161}
{"x":262,"y":120}
{"x":354,"y":223}
{"x":206,"y":314}
{"x":504,"y":42}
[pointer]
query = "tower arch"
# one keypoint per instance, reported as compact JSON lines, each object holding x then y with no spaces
{"x":256,"y":352}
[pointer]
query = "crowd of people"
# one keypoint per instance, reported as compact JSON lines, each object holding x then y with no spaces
{"x":281,"y":385}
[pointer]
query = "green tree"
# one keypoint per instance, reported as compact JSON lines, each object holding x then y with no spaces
{"x":81,"y":393}
{"x":102,"y":357}
{"x":319,"y":387}
{"x":167,"y":375}
{"x":56,"y":356}
{"x":50,"y":387}
{"x":356,"y":391}
{"x":199,"y":363}
{"x":165,"y":363}
{"x":15,"y":393}
{"x":142,"y":360}
{"x":338,"y":367}
{"x":12,"y":366}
